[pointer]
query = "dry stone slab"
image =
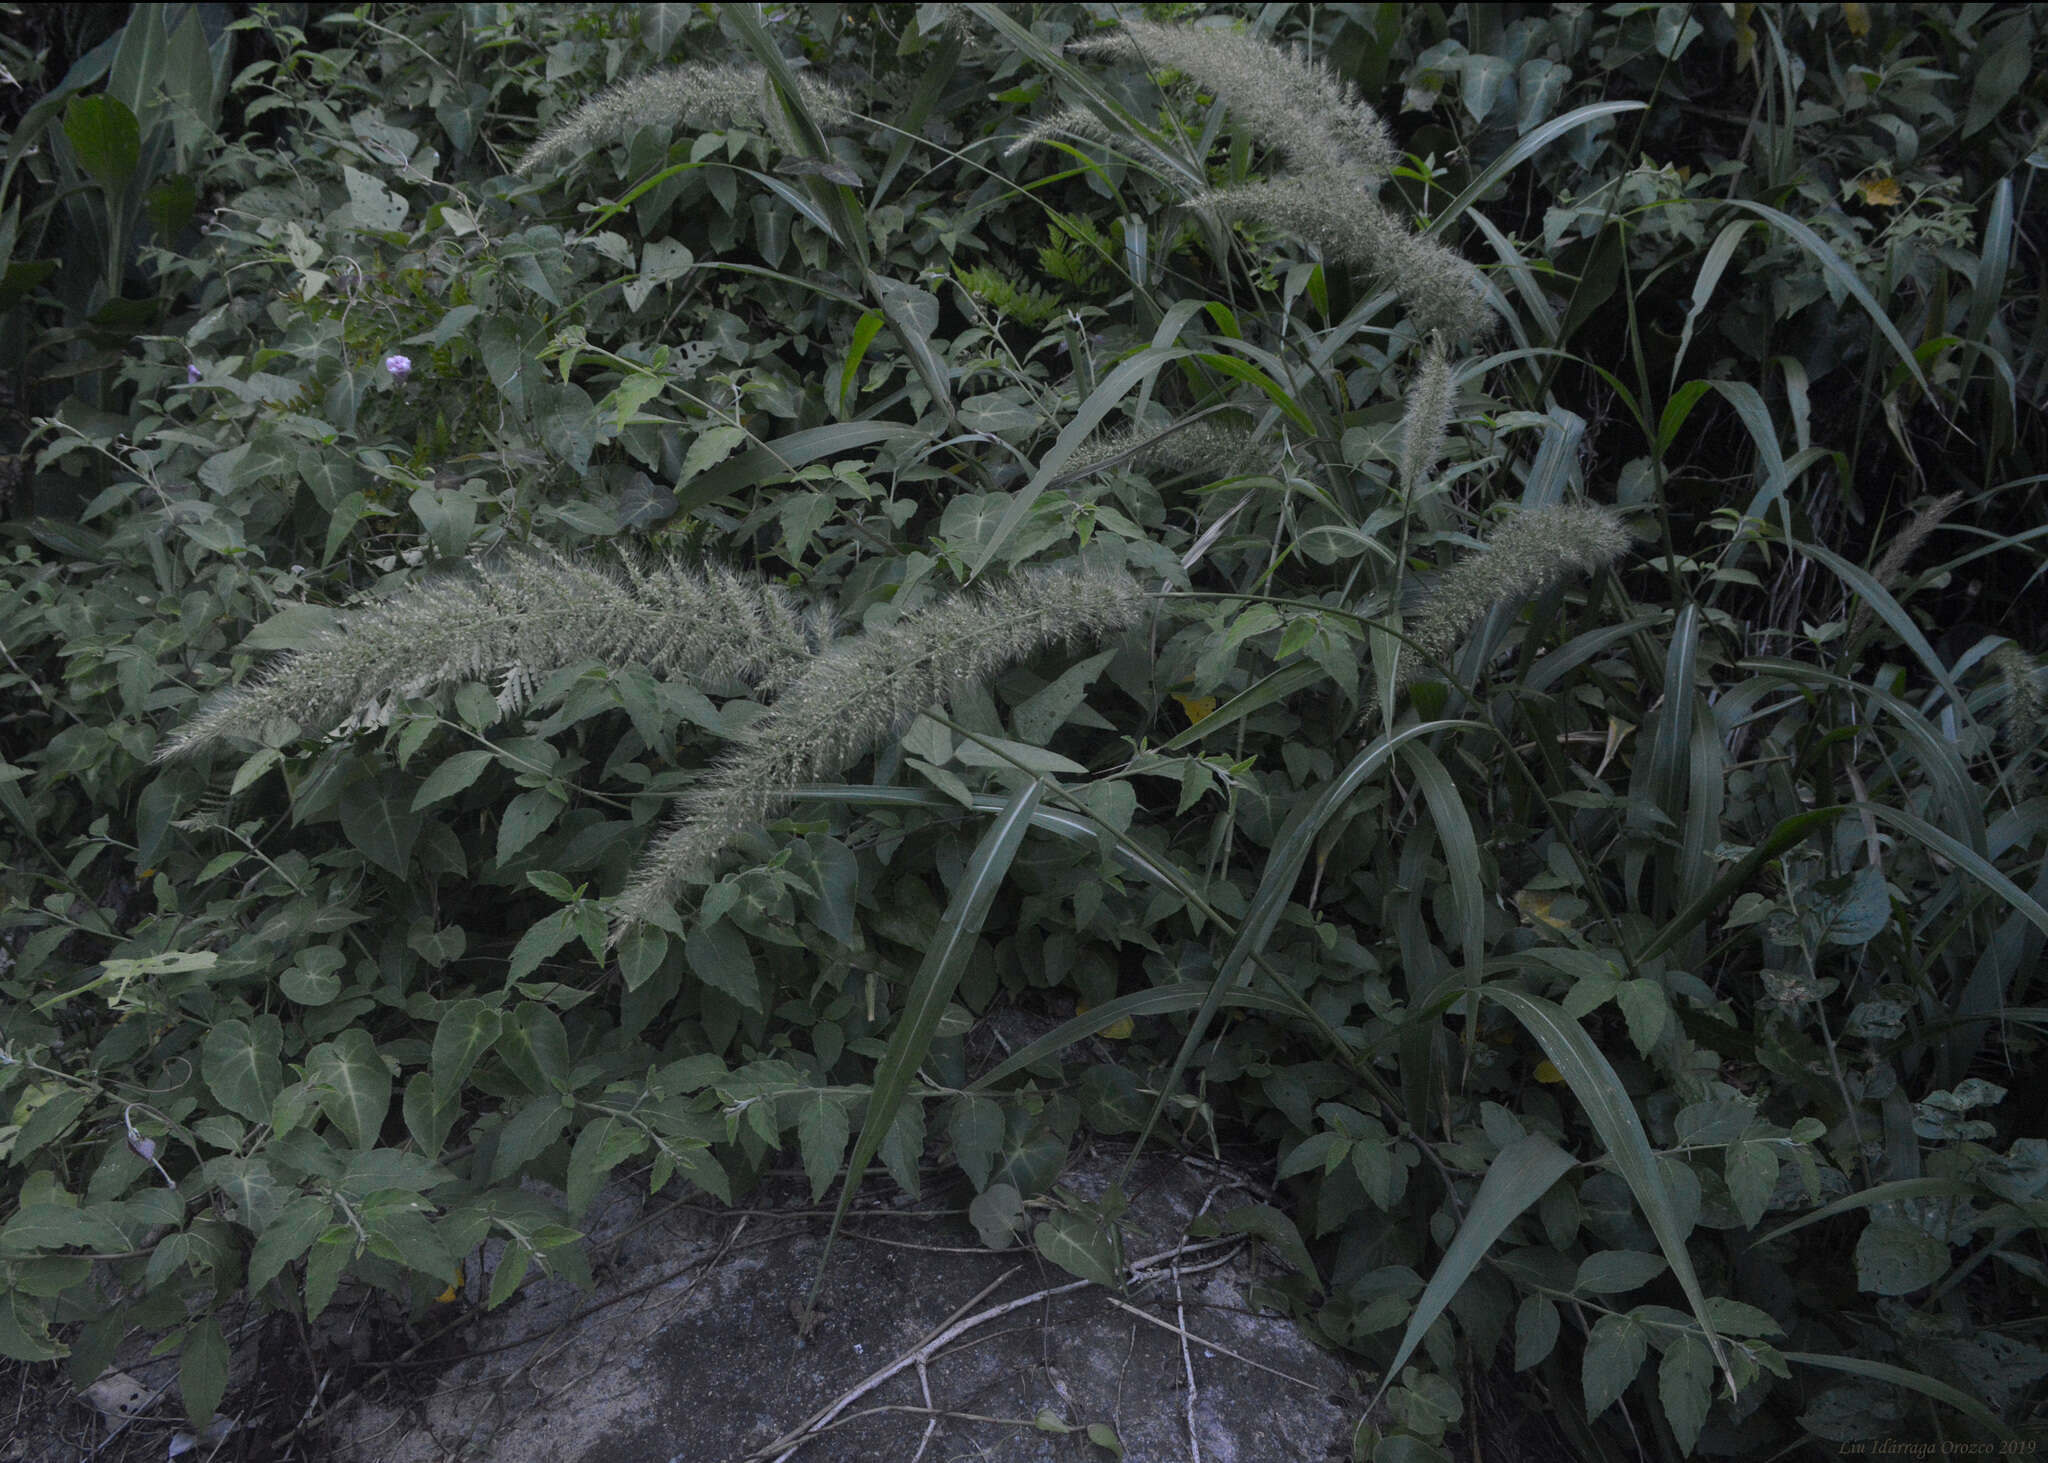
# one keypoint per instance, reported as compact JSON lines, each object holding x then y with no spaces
{"x":925,"y":1346}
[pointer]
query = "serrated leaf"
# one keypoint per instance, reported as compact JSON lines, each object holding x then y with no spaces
{"x":1897,"y":1257}
{"x":526,"y":818}
{"x":602,"y":1146}
{"x":641,"y":954}
{"x":1752,"y":1172}
{"x":1685,"y":1381}
{"x":717,"y":955}
{"x":203,"y":1370}
{"x":543,"y":938}
{"x":566,"y":418}
{"x":372,"y":205}
{"x":451,"y":777}
{"x":1859,"y":913}
{"x":1081,"y":1246}
{"x":1277,"y":1230}
{"x":325,"y":1263}
{"x":512,"y":1268}
{"x":528,"y":1134}
{"x":1614,"y":1272}
{"x":1645,"y":1007}
{"x":287,"y":1237}
{"x":1536,"y":1327}
{"x":50,"y":1226}
{"x":1049,"y":709}
{"x":822,"y":1130}
{"x":1615,"y":1351}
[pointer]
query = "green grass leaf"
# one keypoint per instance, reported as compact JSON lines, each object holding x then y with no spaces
{"x":1526,"y":147}
{"x":1833,"y":265}
{"x":1898,"y":1376}
{"x":1518,"y":1176}
{"x":931,"y":990}
{"x":1593,"y":1081}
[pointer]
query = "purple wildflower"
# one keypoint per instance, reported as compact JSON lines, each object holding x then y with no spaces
{"x":399,"y":366}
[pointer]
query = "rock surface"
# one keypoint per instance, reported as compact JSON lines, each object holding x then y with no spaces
{"x":925,"y":1346}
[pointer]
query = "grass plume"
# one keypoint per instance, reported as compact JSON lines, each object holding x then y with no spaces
{"x":1214,"y":449}
{"x":1428,"y":414}
{"x":1901,"y":552}
{"x":1080,"y":125}
{"x":1530,"y":552}
{"x":703,"y":95}
{"x":533,"y":612}
{"x":2026,"y":699}
{"x":862,"y":691}
{"x":1295,"y":105}
{"x":1345,"y":222}
{"x":1336,"y":150}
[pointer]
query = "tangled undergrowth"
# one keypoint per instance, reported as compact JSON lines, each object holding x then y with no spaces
{"x":1444,"y":584}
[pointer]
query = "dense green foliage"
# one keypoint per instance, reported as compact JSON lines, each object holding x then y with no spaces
{"x":1160,"y":472}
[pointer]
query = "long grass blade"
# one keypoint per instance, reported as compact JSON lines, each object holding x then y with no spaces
{"x":1527,"y":147}
{"x":1894,"y":1192}
{"x":1837,"y":270}
{"x":933,"y":986}
{"x":1594,"y":1082}
{"x":1518,"y":1176}
{"x":1284,"y":863}
{"x":1898,"y":1376}
{"x":1967,"y":859}
{"x":1118,"y":384}
{"x":1793,"y":830}
{"x":1185,"y":995}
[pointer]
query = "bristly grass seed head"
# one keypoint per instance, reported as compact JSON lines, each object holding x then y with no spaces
{"x":1298,"y":106}
{"x":1428,"y":414}
{"x":862,"y":692}
{"x":1530,"y":552}
{"x":708,"y":94}
{"x":1217,"y":449}
{"x":531,"y":613}
{"x":1337,"y":153}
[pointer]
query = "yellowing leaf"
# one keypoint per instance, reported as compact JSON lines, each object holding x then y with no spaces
{"x":1857,"y":18}
{"x":1535,"y":906}
{"x":1745,"y":37}
{"x":1547,"y":1073}
{"x":449,"y":1296}
{"x":1117,"y":1030}
{"x":1196,"y":707}
{"x":1881,"y":192}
